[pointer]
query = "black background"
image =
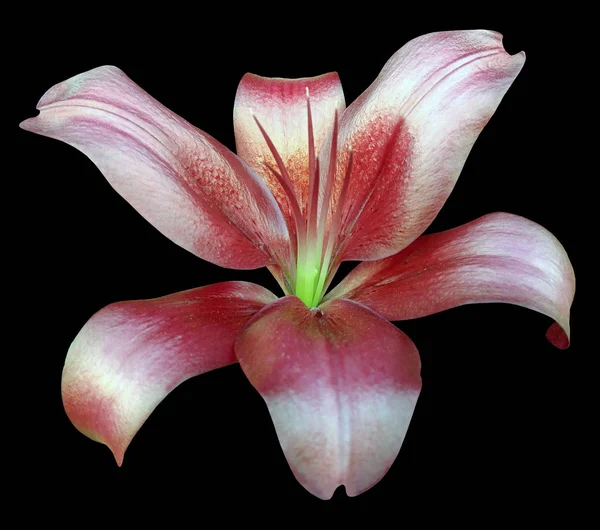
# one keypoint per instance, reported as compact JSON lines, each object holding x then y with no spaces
{"x":494,"y":434}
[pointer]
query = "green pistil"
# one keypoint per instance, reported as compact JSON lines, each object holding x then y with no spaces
{"x":308,"y":287}
{"x":305,"y":285}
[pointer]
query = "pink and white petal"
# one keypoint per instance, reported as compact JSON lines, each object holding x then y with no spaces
{"x":411,"y":132}
{"x":341,"y":384}
{"x":280,"y":106}
{"x":189,"y":186}
{"x":499,"y":257}
{"x":130,"y":355}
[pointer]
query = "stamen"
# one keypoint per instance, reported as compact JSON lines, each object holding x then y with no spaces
{"x":325,"y":274}
{"x":285,"y":180}
{"x":335,"y":225}
{"x":313,"y":254}
{"x":349,"y":224}
{"x":328,"y":185}
{"x":313,"y":175}
{"x":286,"y":183}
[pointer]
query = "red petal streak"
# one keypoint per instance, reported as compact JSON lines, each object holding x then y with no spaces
{"x":280,"y":105}
{"x":188,"y":185}
{"x":497,"y":258}
{"x":130,"y":355}
{"x":411,"y":132}
{"x":341,"y":384}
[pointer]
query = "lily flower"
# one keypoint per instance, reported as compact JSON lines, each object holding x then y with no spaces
{"x":313,"y":184}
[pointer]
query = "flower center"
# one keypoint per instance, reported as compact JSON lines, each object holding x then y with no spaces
{"x":317,"y":250}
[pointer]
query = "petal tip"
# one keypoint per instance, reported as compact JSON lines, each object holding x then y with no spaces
{"x":94,"y":415}
{"x":500,"y":37}
{"x":28,"y":124}
{"x":324,"y":495}
{"x":558,"y":336}
{"x":519,"y":58}
{"x":87,"y":427}
{"x":118,"y":454}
